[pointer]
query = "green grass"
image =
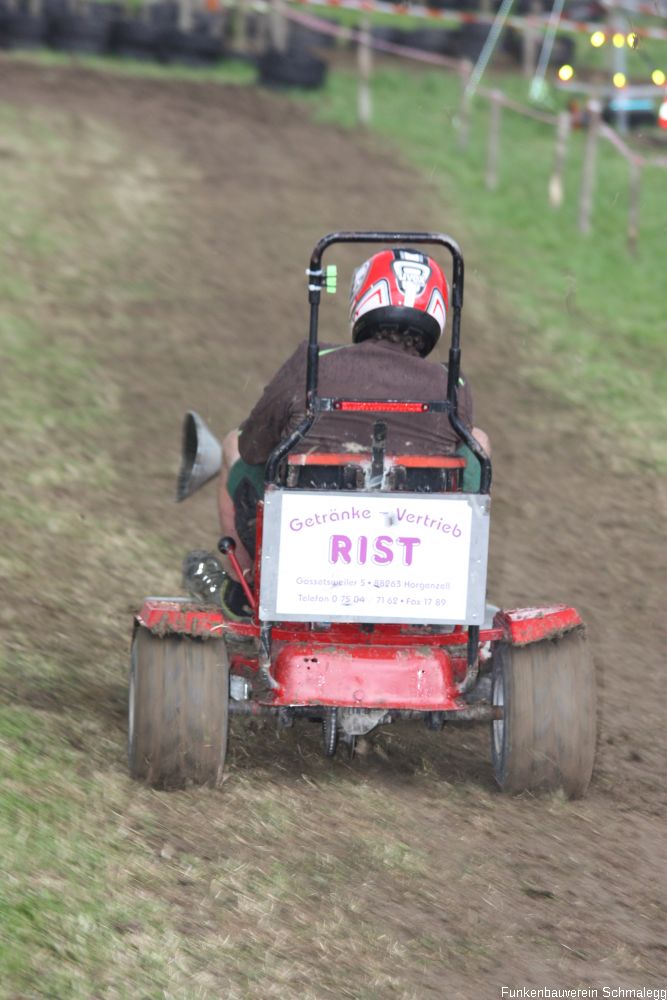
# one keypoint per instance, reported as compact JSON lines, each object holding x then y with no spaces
{"x":64,"y":900}
{"x":69,"y":893}
{"x":229,"y":71}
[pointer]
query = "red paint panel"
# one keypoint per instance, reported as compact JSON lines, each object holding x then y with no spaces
{"x":367,"y":677}
{"x":329,"y":458}
{"x":168,"y":615}
{"x":524,"y":625}
{"x":352,"y":633}
{"x":178,"y":614}
{"x":428,"y":461}
{"x":364,"y":458}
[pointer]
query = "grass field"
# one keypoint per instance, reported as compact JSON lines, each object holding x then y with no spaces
{"x":64,"y":832}
{"x":96,"y":896}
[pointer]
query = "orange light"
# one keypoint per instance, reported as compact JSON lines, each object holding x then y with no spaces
{"x":658,"y":77}
{"x":598,"y":39}
{"x":619,"y":80}
{"x":618,"y":40}
{"x":565,"y":73}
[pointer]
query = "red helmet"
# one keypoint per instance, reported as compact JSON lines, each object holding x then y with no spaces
{"x":401,"y":290}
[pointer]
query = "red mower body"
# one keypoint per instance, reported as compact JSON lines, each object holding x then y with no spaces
{"x":349,"y":665}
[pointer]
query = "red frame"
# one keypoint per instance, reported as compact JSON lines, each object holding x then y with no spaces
{"x":345,"y":663}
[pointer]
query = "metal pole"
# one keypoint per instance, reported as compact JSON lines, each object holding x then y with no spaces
{"x":529,"y":40}
{"x":537,"y":83}
{"x":489,"y":46}
{"x":618,"y":25}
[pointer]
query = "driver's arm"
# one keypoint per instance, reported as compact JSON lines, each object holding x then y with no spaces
{"x":279,"y":408}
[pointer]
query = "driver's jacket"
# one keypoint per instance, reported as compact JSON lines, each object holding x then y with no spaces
{"x":372,"y":369}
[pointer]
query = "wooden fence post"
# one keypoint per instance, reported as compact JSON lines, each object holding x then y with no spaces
{"x":365,"y":67}
{"x":633,"y":204}
{"x":463,"y":121}
{"x":588,"y":174}
{"x":185,"y":15}
{"x":238,"y":21}
{"x":493,"y":147}
{"x":556,"y":186}
{"x":278,"y":26}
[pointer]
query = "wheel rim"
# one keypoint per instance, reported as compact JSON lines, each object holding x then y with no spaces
{"x":498,"y":725}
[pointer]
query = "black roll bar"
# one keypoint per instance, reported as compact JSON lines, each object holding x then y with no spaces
{"x":316,"y":404}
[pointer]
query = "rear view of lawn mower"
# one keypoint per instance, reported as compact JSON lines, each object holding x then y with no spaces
{"x":367,"y":604}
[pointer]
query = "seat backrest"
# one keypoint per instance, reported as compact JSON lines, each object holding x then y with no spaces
{"x":352,"y":471}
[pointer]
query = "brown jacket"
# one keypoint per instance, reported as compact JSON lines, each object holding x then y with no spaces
{"x":369,"y":370}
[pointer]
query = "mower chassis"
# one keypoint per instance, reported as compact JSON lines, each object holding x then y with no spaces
{"x":401,"y":669}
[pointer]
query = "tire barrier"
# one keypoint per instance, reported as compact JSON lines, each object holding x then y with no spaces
{"x":23,"y":29}
{"x":436,"y":45}
{"x":106,"y":29}
{"x":454,"y":44}
{"x":469,"y":40}
{"x":301,"y":37}
{"x":86,"y":33}
{"x":293,"y":68}
{"x":563,"y":50}
{"x":133,"y":39}
{"x":438,"y":40}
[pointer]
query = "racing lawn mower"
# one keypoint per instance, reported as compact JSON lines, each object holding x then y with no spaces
{"x":367,"y":605}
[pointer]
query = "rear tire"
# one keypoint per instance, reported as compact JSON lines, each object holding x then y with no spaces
{"x":546,"y":739}
{"x":178,"y":710}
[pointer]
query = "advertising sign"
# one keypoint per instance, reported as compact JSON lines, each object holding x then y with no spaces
{"x":374,"y":557}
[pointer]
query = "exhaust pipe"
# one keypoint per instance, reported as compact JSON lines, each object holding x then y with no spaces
{"x":201,"y":456}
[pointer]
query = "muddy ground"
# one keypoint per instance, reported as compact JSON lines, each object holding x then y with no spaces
{"x":487,"y":891}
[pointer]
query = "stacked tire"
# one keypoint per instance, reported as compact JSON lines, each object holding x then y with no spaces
{"x":296,"y":67}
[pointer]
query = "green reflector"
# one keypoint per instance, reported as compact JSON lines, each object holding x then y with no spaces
{"x":331,"y":279}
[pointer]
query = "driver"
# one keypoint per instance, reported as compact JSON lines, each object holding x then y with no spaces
{"x":398,"y":306}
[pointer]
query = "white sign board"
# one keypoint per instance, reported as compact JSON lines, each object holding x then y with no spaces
{"x":374,"y":557}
